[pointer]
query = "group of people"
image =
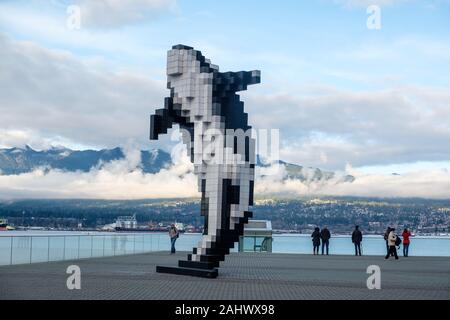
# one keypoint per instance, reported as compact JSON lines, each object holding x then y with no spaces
{"x":322,"y":237}
{"x":392,"y":241}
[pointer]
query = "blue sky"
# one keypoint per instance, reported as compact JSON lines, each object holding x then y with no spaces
{"x":340,"y":94}
{"x":326,"y":41}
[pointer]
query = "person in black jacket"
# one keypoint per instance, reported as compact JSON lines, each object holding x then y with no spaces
{"x":325,"y":235}
{"x":357,"y":239}
{"x":316,"y":240}
{"x":386,"y":236}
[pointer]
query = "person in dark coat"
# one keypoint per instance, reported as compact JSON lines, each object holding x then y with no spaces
{"x":357,"y":239}
{"x":316,"y":240}
{"x":386,"y":236}
{"x":325,"y":235}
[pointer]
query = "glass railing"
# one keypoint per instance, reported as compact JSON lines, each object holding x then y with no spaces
{"x":21,"y":249}
{"x":18,"y":248}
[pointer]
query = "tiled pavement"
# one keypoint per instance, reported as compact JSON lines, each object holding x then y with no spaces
{"x":242,"y":276}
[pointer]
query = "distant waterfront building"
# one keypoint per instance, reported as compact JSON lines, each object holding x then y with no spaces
{"x":179,"y":226}
{"x":4,"y":225}
{"x":126,"y":222}
{"x":109,"y":227}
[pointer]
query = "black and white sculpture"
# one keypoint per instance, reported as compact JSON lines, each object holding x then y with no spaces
{"x":214,"y":126}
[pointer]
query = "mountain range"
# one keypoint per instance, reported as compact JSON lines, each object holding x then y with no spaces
{"x":15,"y":161}
{"x":22,"y":160}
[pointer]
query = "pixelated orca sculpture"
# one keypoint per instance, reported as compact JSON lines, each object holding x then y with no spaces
{"x":204,"y":100}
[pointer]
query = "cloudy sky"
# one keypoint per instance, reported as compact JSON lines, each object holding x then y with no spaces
{"x":345,"y":97}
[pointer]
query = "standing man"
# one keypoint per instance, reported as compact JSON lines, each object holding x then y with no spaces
{"x":325,"y":235}
{"x":173,"y":234}
{"x":392,"y":239}
{"x":357,"y":239}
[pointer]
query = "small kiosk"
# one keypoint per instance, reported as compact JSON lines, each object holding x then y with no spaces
{"x":257,"y":237}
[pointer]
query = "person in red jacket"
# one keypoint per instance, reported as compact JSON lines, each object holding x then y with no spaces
{"x":405,"y":235}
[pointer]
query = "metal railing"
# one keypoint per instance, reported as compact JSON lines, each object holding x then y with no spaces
{"x":22,"y":249}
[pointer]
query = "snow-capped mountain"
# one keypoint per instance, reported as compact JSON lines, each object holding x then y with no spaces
{"x":18,"y":160}
{"x":305,"y":174}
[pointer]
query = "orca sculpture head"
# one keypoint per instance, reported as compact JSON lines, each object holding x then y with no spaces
{"x":196,"y":88}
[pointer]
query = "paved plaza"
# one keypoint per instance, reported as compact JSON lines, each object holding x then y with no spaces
{"x":241,"y":277}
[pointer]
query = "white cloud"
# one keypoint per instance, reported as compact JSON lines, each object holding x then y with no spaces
{"x":53,"y":93}
{"x":45,"y":25}
{"x":10,"y":138}
{"x":114,"y":13}
{"x":20,"y":138}
{"x":433,"y":184}
{"x":336,"y":127}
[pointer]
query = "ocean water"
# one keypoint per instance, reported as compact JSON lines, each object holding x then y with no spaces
{"x":17,"y":247}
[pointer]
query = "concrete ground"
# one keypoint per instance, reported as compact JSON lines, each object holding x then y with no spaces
{"x":241,"y":277}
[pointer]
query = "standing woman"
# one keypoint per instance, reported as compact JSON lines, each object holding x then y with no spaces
{"x":405,"y":235}
{"x":173,"y":234}
{"x":316,"y":240}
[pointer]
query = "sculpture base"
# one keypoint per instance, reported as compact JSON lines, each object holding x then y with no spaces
{"x":198,"y":265}
{"x":203,"y":273}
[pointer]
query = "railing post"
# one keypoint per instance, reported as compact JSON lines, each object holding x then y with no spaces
{"x":92,"y":245}
{"x":114,"y":245}
{"x":79,"y":240}
{"x":134,"y":243}
{"x":48,"y":248}
{"x":11,"y":256}
{"x":64,"y":248}
{"x":103,"y":244}
{"x":31,"y":248}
